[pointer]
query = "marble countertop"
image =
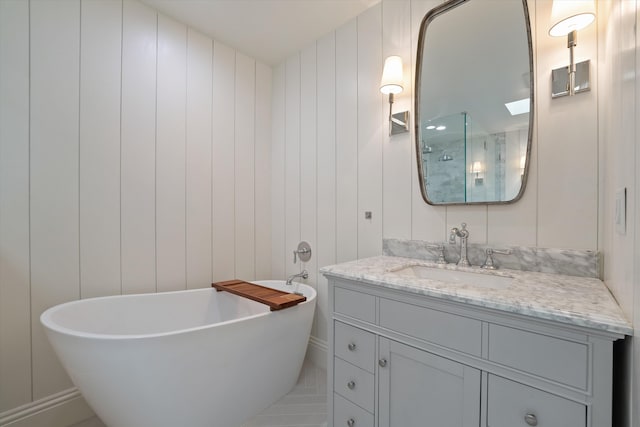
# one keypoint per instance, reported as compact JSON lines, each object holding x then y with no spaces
{"x":570,"y":300}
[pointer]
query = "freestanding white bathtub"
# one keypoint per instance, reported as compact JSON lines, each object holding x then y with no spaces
{"x":196,"y":358}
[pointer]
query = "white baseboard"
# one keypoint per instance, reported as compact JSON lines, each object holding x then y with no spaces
{"x":62,"y":409}
{"x":317,"y":352}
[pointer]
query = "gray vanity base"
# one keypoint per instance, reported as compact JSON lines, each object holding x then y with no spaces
{"x":398,"y":358}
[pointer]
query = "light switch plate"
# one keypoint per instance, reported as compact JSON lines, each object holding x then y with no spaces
{"x":620,"y":214}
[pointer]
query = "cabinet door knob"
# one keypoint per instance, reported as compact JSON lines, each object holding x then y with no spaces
{"x":351,"y":385}
{"x":382,"y":363}
{"x":351,"y":422}
{"x":352,"y":346}
{"x":531,"y":419}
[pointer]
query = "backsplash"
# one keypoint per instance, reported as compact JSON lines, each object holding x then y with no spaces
{"x":581,"y":263}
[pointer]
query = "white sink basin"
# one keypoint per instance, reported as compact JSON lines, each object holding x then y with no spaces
{"x":482,"y":280}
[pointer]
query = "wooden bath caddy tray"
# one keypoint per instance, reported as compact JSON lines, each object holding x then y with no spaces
{"x":274,"y":298}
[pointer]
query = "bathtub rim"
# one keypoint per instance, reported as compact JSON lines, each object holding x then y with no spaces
{"x":47,"y":322}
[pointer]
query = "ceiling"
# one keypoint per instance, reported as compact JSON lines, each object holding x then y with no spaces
{"x":268,"y":30}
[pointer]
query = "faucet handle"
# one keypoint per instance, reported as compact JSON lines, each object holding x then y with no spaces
{"x":452,"y":236}
{"x":441,"y":259}
{"x":462,"y":233}
{"x":501,"y":251}
{"x":440,"y":248}
{"x":303,"y":252}
{"x":463,"y":230}
{"x":488,"y":263}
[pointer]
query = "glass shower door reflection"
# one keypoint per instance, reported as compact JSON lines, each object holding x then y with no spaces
{"x":444,"y":158}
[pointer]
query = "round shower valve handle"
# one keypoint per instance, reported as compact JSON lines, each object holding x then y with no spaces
{"x":303,"y":252}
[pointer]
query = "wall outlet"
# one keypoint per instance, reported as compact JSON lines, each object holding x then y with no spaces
{"x":620,"y":214}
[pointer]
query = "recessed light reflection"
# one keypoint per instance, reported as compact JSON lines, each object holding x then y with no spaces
{"x":431,"y":127}
{"x":518,"y":107}
{"x":441,"y":127}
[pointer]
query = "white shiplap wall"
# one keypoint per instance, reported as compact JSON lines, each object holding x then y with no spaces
{"x":15,"y":292}
{"x":619,"y":161}
{"x":134,"y":157}
{"x":356,"y":167}
{"x":138,"y":155}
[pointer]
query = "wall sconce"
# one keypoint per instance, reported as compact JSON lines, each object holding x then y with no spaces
{"x":573,"y":15}
{"x":391,"y":84}
{"x":477,"y":168}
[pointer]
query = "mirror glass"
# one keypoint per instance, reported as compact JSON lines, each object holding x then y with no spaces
{"x":474,"y":102}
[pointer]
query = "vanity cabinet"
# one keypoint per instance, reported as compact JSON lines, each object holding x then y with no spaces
{"x":397,"y":358}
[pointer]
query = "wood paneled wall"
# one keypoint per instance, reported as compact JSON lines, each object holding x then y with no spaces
{"x":134,"y":157}
{"x":330,"y":129}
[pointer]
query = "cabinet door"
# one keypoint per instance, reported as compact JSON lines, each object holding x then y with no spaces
{"x":417,"y":388}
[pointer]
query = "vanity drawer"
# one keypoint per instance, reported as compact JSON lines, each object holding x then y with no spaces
{"x":511,"y":404}
{"x":355,"y":304}
{"x":354,"y":345}
{"x":346,"y":414}
{"x":552,"y":358}
{"x":353,"y":383}
{"x":445,"y":329}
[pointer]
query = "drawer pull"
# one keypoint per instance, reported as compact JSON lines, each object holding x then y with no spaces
{"x":351,"y":422}
{"x":531,"y":419}
{"x":352,"y":346}
{"x":382,"y":363}
{"x":351,"y":385}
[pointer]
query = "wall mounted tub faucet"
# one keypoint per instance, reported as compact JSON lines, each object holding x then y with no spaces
{"x":304,"y":274}
{"x":463,"y":234}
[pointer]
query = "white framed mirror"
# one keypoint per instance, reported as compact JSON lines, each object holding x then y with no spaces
{"x":474,"y":102}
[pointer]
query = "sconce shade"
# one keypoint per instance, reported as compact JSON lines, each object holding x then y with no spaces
{"x":571,"y":15}
{"x":477,"y":167}
{"x":391,"y":82}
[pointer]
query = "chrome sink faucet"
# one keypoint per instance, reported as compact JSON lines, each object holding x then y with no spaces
{"x":463,"y":234}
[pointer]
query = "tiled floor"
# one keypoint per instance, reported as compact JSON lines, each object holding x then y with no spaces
{"x":304,"y":406}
